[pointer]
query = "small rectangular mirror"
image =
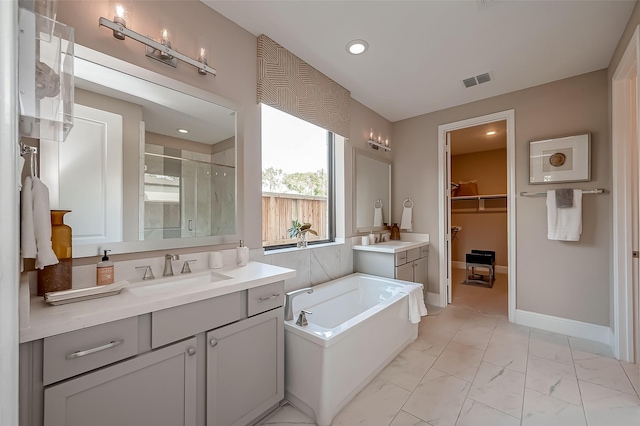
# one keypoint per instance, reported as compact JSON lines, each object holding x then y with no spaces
{"x":372,"y":192}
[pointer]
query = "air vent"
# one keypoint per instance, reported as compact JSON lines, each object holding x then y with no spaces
{"x":478,"y":79}
{"x":469,"y":82}
{"x":483,"y":78}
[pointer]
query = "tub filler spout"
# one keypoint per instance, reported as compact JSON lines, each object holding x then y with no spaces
{"x":288,"y":302}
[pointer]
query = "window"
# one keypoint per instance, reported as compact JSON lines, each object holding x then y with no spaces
{"x":297,"y":178}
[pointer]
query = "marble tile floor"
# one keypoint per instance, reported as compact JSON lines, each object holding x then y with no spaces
{"x":468,"y":368}
{"x":492,"y":301}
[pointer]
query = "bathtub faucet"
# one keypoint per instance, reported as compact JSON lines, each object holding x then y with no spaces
{"x":288,"y":302}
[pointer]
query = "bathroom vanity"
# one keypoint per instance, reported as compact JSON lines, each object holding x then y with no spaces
{"x":402,"y":260}
{"x":175,"y":354}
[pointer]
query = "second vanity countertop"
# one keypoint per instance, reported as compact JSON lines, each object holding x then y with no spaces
{"x":391,"y":246}
{"x":46,"y":320}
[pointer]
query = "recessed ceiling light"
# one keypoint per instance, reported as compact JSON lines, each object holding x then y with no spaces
{"x":356,"y":47}
{"x":183,"y":131}
{"x":491,"y":133}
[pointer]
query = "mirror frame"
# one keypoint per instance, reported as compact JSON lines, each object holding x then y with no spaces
{"x":356,"y":152}
{"x":84,"y":54}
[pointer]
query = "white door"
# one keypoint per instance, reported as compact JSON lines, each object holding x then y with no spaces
{"x":635,"y":205}
{"x":93,"y":150}
{"x":447,"y":227}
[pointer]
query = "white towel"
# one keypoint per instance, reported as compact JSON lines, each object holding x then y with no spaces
{"x":564,"y":224}
{"x":377,"y":216}
{"x":405,"y":223}
{"x":19,"y":171}
{"x":36,"y":223}
{"x":417,"y":307}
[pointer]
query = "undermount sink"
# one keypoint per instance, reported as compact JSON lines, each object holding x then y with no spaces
{"x":185,"y":282}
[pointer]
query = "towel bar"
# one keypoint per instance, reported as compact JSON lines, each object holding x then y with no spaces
{"x":544,"y":194}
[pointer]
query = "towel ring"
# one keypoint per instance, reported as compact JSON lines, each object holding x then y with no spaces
{"x":404,"y":203}
{"x":377,"y":204}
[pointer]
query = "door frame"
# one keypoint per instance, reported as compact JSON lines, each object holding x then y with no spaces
{"x":444,"y":216}
{"x":627,"y":71}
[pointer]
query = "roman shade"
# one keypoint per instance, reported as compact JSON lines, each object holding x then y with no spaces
{"x":291,"y":85}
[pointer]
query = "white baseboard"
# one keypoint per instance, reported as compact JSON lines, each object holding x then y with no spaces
{"x":433,"y":299}
{"x":455,"y":264}
{"x":584,"y":330}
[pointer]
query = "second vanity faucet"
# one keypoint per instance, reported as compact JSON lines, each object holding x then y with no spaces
{"x":168,"y":266}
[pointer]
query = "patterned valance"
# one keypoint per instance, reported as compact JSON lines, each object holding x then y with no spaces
{"x":291,"y":85}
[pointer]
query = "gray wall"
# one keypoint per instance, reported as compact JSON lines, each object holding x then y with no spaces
{"x":564,"y":279}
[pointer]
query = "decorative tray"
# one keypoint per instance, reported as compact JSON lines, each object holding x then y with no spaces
{"x":80,"y":294}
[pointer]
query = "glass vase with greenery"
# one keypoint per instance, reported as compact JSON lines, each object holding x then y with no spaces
{"x":299,"y":231}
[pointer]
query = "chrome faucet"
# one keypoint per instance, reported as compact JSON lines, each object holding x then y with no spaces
{"x":168,"y":266}
{"x":288,"y":300}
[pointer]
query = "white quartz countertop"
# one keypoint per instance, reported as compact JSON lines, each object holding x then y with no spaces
{"x":46,"y":320}
{"x":391,"y":246}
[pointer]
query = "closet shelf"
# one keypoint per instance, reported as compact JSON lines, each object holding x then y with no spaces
{"x":479,"y":197}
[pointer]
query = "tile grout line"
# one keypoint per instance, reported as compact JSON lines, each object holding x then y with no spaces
{"x":573,"y":363}
{"x":475,"y":375}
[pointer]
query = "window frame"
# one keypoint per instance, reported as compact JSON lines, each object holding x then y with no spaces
{"x":331,"y":201}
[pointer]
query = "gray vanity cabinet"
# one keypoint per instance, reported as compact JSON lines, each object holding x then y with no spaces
{"x":406,"y":265}
{"x":157,"y":388}
{"x":245,"y":369}
{"x":214,"y":362}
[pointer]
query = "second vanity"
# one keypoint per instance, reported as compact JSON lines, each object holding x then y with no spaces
{"x":402,"y":260}
{"x":206,"y":354}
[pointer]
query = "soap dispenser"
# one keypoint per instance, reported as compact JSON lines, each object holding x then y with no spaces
{"x":105,"y":270}
{"x":243,"y":254}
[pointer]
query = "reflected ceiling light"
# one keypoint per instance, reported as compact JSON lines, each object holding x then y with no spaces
{"x":356,"y":47}
{"x":491,"y":133}
{"x":183,"y":131}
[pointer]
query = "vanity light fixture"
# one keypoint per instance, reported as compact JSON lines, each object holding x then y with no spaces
{"x":357,"y":47}
{"x":161,"y":51}
{"x":491,"y":133}
{"x":378,"y":144}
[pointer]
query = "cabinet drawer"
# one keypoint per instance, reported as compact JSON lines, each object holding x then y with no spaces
{"x":265,"y":298}
{"x":413,"y":254}
{"x":424,"y":251}
{"x":76,"y":352}
{"x":173,"y":324}
{"x":401,"y":258}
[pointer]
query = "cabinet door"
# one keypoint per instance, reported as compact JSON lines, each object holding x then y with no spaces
{"x":405,"y":272}
{"x":420,"y":272}
{"x":245,"y":369}
{"x":158,"y":388}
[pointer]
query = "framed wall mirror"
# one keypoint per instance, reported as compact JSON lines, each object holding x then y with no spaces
{"x":150,"y":164}
{"x":372,"y":191}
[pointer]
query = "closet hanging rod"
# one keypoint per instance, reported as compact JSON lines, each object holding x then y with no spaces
{"x":544,"y":194}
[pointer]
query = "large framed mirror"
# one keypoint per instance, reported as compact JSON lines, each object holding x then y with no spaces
{"x":150,"y":164}
{"x":372,"y":191}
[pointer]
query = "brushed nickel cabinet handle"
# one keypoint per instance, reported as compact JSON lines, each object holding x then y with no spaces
{"x":109,"y":345}
{"x":269,"y":297}
{"x":213,"y":342}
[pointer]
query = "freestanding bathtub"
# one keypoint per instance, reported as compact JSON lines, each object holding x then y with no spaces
{"x":358,"y":324}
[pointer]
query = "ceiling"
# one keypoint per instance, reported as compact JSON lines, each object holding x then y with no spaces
{"x":475,"y":139}
{"x":420,"y":51}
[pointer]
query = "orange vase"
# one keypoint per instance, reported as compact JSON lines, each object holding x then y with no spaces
{"x":57,"y":277}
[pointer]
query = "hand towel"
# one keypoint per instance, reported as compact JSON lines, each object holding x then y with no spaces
{"x":36,"y":223}
{"x":564,"y":224}
{"x":19,"y":171}
{"x":377,"y":216}
{"x":417,"y":307}
{"x":28,"y":247}
{"x":405,"y":223}
{"x":564,"y":198}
